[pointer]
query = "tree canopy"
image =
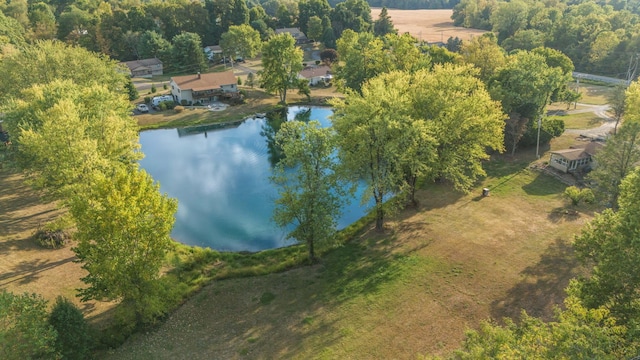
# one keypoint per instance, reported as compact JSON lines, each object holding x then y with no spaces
{"x":281,"y":62}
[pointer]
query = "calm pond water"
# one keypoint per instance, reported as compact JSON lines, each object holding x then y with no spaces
{"x":220,"y":177}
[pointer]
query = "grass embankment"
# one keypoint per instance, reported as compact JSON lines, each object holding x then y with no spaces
{"x":437,"y":270}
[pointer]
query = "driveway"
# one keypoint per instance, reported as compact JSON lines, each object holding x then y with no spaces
{"x":600,"y":111}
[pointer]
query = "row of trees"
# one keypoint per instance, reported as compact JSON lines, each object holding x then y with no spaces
{"x":599,"y":37}
{"x":69,"y":120}
{"x":127,"y":32}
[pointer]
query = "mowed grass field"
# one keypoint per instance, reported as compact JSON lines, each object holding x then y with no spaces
{"x":427,"y":25}
{"x":438,"y":270}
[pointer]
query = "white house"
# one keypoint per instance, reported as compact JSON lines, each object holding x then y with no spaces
{"x":316,"y":74}
{"x":203,"y":88}
{"x":144,"y":68}
{"x":213,"y":52}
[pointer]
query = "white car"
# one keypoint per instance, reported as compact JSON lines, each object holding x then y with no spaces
{"x":143,"y":108}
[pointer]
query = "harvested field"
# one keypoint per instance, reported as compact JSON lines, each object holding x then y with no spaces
{"x":428,"y":25}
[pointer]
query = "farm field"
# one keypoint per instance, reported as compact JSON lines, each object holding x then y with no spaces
{"x":427,"y":25}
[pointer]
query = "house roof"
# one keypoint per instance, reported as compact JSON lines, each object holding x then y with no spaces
{"x":216,"y":49}
{"x":315,"y":71}
{"x":207,"y":81}
{"x":580,"y":151}
{"x":295,"y":32}
{"x":144,"y":63}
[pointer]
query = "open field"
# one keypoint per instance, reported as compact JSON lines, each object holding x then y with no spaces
{"x":427,"y":25}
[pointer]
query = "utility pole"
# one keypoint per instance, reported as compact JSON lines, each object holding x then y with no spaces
{"x":538,"y":141}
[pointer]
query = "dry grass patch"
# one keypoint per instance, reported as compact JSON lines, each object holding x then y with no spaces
{"x":24,"y":265}
{"x":428,"y":25}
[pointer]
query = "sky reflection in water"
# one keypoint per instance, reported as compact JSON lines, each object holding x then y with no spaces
{"x":221,"y":180}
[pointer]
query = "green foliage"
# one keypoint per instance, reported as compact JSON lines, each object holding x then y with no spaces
{"x":281,"y":62}
{"x":406,"y":126}
{"x":153,"y":88}
{"x":132,"y":92}
{"x":610,"y":244}
{"x":46,"y":61}
{"x":384,"y":25}
{"x":308,"y":196}
{"x":64,"y":131}
{"x":187,"y":56}
{"x":577,"y":195}
{"x":123,"y":226}
{"x":74,"y":339}
{"x":25,"y":332}
{"x":240,"y":41}
{"x":363,"y":56}
{"x":576,"y":333}
{"x":251,"y":80}
{"x":614,"y":162}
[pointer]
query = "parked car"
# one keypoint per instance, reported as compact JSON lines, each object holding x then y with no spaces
{"x":143,"y":108}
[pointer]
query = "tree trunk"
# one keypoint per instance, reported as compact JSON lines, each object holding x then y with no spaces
{"x":379,"y":218}
{"x":312,"y":253}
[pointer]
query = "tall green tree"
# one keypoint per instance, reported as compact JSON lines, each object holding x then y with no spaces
{"x":46,"y":61}
{"x":242,"y":41}
{"x":371,"y":138}
{"x":123,"y":232}
{"x":618,"y":157}
{"x":351,"y":14}
{"x":617,"y":100}
{"x":308,"y":184}
{"x":308,"y":9}
{"x":610,"y":244}
{"x":314,"y":28}
{"x":188,"y":56}
{"x":25,"y":332}
{"x":153,"y":45}
{"x":463,"y":119}
{"x":63,"y":132}
{"x":74,"y":340}
{"x":281,"y":62}
{"x":524,"y":86}
{"x":384,"y":24}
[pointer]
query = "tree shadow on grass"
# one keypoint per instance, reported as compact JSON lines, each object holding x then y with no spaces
{"x":561,"y":214}
{"x":542,"y":286}
{"x":28,"y":271}
{"x":543,"y":185}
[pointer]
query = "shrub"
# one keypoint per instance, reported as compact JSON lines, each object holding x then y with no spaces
{"x":53,"y":234}
{"x":164,"y":86}
{"x":239,"y":81}
{"x":25,"y":332}
{"x":184,"y":102}
{"x":179,"y":109}
{"x":147,"y":99}
{"x":74,"y":339}
{"x":576,"y":195}
{"x":317,"y":62}
{"x":153,"y":88}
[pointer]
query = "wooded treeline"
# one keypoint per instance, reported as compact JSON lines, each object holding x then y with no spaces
{"x":600,"y":37}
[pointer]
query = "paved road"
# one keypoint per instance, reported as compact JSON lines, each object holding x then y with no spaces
{"x":142,"y":85}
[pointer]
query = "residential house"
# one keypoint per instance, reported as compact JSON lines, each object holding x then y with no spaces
{"x":297,"y":34}
{"x":213,"y":52}
{"x":204,"y":88}
{"x":316,"y":75}
{"x":144,"y":68}
{"x":576,"y":158}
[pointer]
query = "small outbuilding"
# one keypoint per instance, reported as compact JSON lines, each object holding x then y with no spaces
{"x":576,"y":158}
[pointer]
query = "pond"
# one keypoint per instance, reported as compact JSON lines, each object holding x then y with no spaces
{"x":220,"y":176}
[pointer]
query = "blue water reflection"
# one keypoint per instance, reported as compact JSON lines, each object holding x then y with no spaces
{"x":220,"y":177}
